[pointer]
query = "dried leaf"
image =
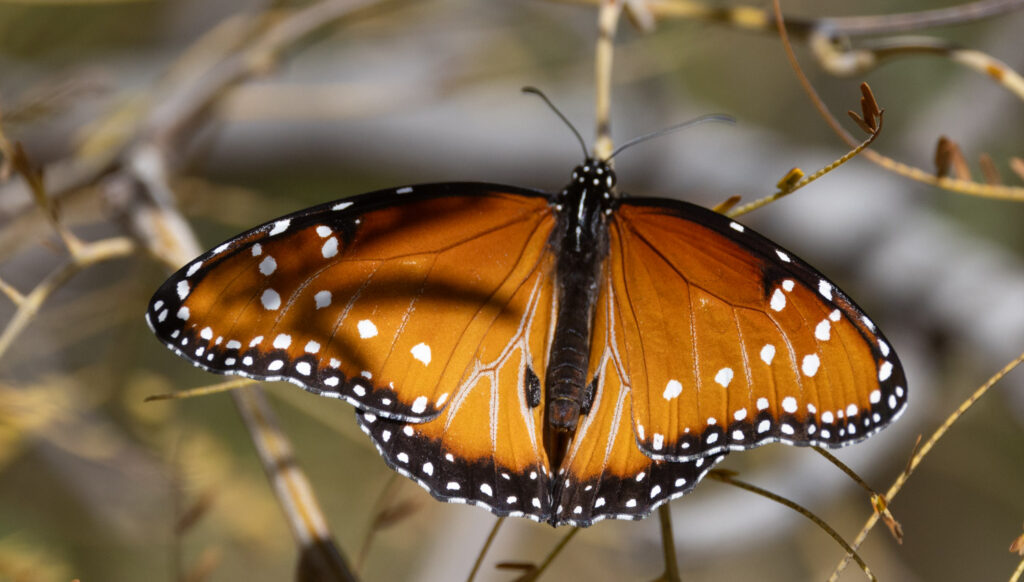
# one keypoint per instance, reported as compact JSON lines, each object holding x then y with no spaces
{"x":861,"y":123}
{"x":948,"y":158}
{"x":988,"y":170}
{"x":1017,"y":546}
{"x":1017,"y":165}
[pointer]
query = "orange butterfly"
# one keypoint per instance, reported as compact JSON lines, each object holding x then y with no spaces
{"x":564,"y":357}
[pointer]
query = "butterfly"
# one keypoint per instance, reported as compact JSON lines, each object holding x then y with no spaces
{"x":565,"y":357}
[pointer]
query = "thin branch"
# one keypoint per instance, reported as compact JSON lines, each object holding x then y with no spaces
{"x":554,"y":552}
{"x":319,"y":555}
{"x":726,"y":477}
{"x":922,"y":452}
{"x":878,"y":501}
{"x":668,"y":545}
{"x":795,"y":179}
{"x":1018,"y":573}
{"x":483,"y":551}
{"x":202,"y":390}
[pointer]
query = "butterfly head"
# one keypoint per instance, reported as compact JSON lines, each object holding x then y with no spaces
{"x":594,"y":174}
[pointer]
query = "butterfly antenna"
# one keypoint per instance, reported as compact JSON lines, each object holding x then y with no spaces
{"x":677,"y":127}
{"x":540,"y":94}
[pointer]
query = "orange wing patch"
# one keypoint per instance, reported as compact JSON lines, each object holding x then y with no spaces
{"x":384,"y":307}
{"x":733,"y":342}
{"x":485,"y":447}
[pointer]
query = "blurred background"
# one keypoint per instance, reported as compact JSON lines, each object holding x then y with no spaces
{"x":97,"y":485}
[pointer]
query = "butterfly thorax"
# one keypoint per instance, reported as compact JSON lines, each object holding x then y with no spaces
{"x":580,"y":242}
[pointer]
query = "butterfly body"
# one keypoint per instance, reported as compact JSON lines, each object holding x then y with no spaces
{"x":565,"y":357}
{"x":580,"y":241}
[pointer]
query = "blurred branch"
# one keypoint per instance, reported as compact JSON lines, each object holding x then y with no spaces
{"x":829,"y":42}
{"x":136,"y":166}
{"x":951,"y":184}
{"x":86,"y":255}
{"x":607,"y":21}
{"x":668,"y":546}
{"x":319,"y":556}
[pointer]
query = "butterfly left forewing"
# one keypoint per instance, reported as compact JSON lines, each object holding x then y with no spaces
{"x":735,"y":342}
{"x":366,"y":299}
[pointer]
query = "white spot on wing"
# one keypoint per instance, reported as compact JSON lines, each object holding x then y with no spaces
{"x":810,"y":365}
{"x":268,"y":265}
{"x":767,"y":353}
{"x":782,"y":256}
{"x":823,"y":330}
{"x":366,"y":329}
{"x":789,"y":404}
{"x":282,"y":341}
{"x":724,"y":376}
{"x":672,"y":390}
{"x":788,"y":285}
{"x":312,"y":347}
{"x":323,"y":231}
{"x":330,"y":247}
{"x":825,"y":288}
{"x":405,"y":190}
{"x":322,"y":298}
{"x":270,"y":300}
{"x":182,"y":289}
{"x":341,"y":206}
{"x":884,"y":371}
{"x":736,"y":226}
{"x":419,"y":405}
{"x":280,"y":226}
{"x":192,"y":270}
{"x":257,"y":250}
{"x":778,"y":300}
{"x":421,"y":352}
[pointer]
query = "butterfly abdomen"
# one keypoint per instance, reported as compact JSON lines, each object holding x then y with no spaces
{"x":582,"y":239}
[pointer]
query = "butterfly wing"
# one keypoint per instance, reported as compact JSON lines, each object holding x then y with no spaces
{"x":605,"y":475}
{"x":415,"y":305}
{"x":484,"y":448}
{"x":733,"y":342}
{"x":380,"y":299}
